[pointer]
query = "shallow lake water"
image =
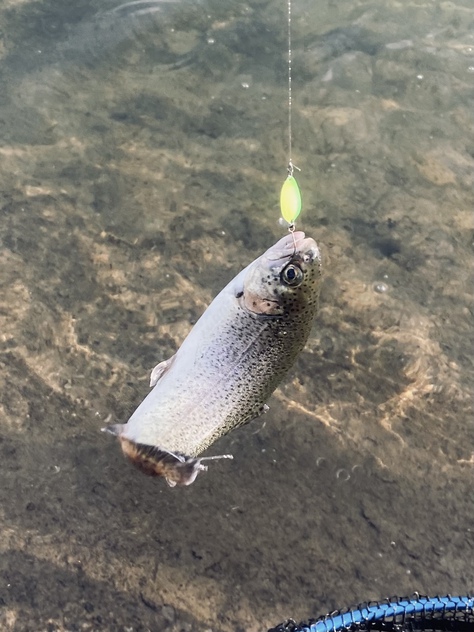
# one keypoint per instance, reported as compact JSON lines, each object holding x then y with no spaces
{"x":142,"y":149}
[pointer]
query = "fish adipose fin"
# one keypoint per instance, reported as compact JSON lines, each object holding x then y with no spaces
{"x":177,"y":469}
{"x":160,"y":369}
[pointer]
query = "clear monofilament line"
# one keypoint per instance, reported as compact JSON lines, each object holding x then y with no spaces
{"x":290,"y":139}
{"x":290,"y":196}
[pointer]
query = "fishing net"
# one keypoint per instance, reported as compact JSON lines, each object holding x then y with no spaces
{"x":430,"y":614}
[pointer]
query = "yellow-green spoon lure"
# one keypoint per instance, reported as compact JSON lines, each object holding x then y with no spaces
{"x":290,"y":198}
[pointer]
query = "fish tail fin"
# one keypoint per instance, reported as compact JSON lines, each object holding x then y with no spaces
{"x":176,"y":469}
{"x":115,"y":429}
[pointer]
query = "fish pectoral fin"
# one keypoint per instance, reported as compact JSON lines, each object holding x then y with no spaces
{"x":160,"y":369}
{"x":261,"y":410}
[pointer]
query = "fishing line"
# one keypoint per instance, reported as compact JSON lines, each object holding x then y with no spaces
{"x":290,"y":196}
{"x":290,"y":138}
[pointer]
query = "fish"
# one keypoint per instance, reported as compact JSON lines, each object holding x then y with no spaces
{"x":229,"y":364}
{"x":342,"y":40}
{"x":138,"y":25}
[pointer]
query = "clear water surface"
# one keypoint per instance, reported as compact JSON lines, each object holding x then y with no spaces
{"x":142,"y":150}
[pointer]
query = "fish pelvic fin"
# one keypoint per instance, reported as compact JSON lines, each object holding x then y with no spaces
{"x":160,"y":369}
{"x":114,"y":429}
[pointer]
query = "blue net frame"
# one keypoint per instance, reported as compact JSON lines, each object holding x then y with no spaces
{"x":449,"y":613}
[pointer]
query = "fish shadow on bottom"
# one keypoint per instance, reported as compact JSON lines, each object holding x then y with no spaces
{"x":39,"y":595}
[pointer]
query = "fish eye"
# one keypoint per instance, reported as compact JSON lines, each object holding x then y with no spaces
{"x":292,"y":275}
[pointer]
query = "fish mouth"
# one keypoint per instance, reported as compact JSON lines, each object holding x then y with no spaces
{"x":295,"y":243}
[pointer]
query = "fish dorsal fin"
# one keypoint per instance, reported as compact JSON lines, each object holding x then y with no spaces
{"x":160,"y":369}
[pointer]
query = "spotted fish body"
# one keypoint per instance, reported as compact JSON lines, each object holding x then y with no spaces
{"x":229,"y":364}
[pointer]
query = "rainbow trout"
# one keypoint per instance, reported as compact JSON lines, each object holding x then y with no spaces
{"x":230,"y":363}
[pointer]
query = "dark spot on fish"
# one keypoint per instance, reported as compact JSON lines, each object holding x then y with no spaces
{"x":239,"y":295}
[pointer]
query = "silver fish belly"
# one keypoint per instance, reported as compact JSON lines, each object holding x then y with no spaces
{"x":229,"y":364}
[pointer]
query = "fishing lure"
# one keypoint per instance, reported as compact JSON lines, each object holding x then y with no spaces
{"x":290,"y":199}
